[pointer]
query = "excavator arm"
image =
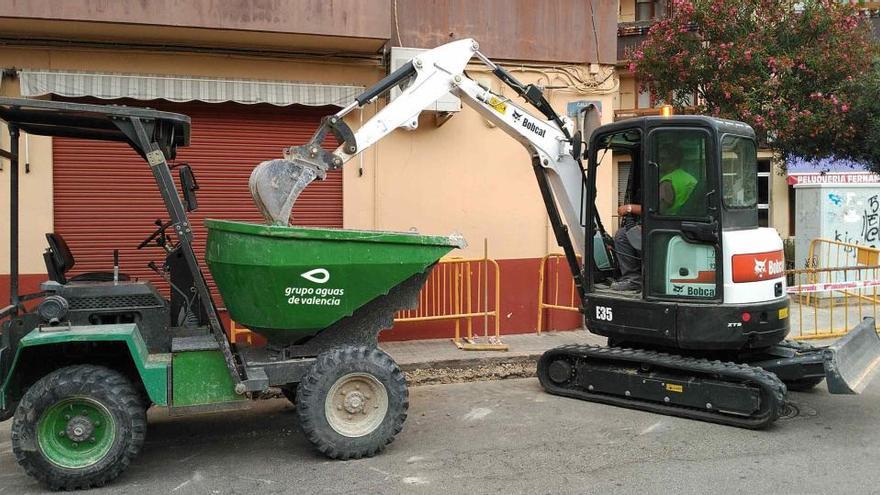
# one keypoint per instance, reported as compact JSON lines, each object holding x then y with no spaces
{"x":426,"y":78}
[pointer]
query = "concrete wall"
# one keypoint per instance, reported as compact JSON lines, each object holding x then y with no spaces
{"x":545,"y":31}
{"x":35,"y":198}
{"x":779,"y":206}
{"x":299,"y":23}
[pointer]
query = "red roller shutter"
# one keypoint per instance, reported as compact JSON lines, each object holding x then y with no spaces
{"x":106,"y":198}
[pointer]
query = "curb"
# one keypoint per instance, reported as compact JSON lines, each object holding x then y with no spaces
{"x":470,"y":363}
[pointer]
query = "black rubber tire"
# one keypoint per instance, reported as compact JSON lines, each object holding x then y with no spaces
{"x":106,"y":386}
{"x":803,"y":384}
{"x":312,"y":394}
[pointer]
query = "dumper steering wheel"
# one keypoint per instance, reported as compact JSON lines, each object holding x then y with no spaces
{"x":158,"y":234}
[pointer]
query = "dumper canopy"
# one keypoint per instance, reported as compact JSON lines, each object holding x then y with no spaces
{"x":100,"y":122}
{"x":141,"y":128}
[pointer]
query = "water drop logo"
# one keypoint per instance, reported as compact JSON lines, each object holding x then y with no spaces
{"x":318,"y":276}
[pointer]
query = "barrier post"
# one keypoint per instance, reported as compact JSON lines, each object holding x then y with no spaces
{"x":573,"y":303}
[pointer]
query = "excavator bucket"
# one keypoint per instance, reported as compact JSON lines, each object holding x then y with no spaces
{"x":275,"y":185}
{"x":852,"y":361}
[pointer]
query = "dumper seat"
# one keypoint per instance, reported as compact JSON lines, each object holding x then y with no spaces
{"x":59,"y":260}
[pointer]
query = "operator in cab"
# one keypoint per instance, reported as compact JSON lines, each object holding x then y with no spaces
{"x":676,"y":186}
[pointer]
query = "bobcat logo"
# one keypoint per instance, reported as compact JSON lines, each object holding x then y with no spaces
{"x":677,"y":288}
{"x":516,"y":116}
{"x":760,"y":267}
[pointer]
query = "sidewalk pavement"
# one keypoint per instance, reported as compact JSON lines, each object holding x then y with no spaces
{"x":442,"y":353}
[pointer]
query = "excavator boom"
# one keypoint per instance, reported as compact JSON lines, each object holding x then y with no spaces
{"x":276,"y":184}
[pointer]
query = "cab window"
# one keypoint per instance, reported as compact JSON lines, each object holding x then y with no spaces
{"x":739,"y":172}
{"x":681,"y":156}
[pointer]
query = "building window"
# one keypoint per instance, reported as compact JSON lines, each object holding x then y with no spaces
{"x":644,"y":98}
{"x":764,"y":192}
{"x":645,"y":9}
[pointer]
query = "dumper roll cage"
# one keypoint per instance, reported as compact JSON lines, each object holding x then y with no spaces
{"x":155,"y":136}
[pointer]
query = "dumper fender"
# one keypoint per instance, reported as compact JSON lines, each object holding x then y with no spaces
{"x":152,"y":369}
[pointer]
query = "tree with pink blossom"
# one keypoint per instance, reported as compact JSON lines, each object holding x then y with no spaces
{"x":799,"y":72}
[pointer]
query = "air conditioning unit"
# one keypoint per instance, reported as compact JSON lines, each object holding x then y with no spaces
{"x":400,"y":56}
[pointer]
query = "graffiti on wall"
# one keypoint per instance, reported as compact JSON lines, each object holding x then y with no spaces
{"x":854,"y":217}
{"x":870,"y":224}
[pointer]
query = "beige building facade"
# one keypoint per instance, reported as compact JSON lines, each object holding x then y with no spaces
{"x":455,"y":173}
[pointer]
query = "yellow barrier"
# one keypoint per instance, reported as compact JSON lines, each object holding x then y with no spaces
{"x":835,"y":291}
{"x":828,"y":253}
{"x":235,"y":331}
{"x":461,"y":289}
{"x":570,"y":301}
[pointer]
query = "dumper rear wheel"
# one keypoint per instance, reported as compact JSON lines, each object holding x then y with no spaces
{"x":352,"y":402}
{"x":78,"y":427}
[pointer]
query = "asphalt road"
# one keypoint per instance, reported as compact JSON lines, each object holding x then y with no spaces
{"x":510,"y":437}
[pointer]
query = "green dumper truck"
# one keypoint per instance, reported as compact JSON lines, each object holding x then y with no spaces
{"x":84,"y":358}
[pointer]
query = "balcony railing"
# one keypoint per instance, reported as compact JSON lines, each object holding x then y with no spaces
{"x":630,"y":35}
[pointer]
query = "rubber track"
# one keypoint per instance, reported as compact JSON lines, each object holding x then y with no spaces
{"x":798,"y":346}
{"x":772,"y":396}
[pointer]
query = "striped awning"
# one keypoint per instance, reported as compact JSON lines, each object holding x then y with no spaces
{"x":183,"y":88}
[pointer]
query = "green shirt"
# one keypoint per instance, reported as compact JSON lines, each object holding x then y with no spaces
{"x":683,"y":185}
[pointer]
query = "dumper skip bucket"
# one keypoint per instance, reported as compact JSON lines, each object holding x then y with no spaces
{"x":289,"y":283}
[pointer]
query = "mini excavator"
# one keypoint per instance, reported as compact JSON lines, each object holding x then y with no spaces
{"x":704,"y":337}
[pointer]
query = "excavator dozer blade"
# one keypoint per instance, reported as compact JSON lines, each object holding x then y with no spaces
{"x":852,"y":361}
{"x":275,"y":185}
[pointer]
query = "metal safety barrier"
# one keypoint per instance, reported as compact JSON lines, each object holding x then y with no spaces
{"x":556,"y":289}
{"x":462,"y":290}
{"x":235,"y":331}
{"x":828,"y":253}
{"x":837,"y":288}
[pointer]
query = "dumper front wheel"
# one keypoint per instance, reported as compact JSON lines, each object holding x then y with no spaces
{"x":352,"y":402}
{"x":78,"y":427}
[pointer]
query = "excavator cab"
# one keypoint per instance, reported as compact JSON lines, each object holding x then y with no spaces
{"x":704,"y":337}
{"x":694,"y":182}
